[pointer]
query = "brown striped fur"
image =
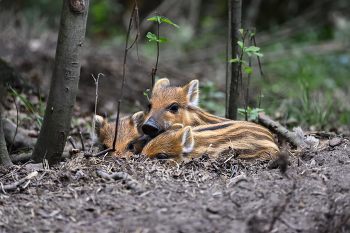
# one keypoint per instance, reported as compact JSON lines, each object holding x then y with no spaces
{"x":183,"y":143}
{"x":128,"y":132}
{"x":160,"y":115}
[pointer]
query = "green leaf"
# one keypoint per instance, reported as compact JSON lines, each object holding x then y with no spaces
{"x":39,"y":119}
{"x":253,"y":34}
{"x":240,"y":43}
{"x":252,"y":48}
{"x":245,"y":62}
{"x":241,"y":111}
{"x":29,"y":104}
{"x":259,"y":54}
{"x":154,"y":18}
{"x":161,"y":39}
{"x":146,"y":93}
{"x":234,"y":60}
{"x":249,"y":54}
{"x":241,"y":31}
{"x":168,"y":21}
{"x":158,"y":19}
{"x":247,"y":68}
{"x":151,"y":36}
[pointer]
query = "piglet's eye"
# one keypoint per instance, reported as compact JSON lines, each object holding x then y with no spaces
{"x":131,"y":147}
{"x":162,"y":156}
{"x":174,"y":108}
{"x":149,"y":107}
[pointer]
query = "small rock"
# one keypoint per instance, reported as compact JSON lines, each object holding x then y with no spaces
{"x":335,"y":142}
{"x":313,"y":163}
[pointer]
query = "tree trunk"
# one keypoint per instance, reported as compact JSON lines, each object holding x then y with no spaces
{"x":4,"y":156}
{"x":64,"y":83}
{"x":228,"y":58}
{"x":236,"y":8}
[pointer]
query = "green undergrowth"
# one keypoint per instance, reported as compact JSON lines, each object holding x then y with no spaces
{"x":311,"y":91}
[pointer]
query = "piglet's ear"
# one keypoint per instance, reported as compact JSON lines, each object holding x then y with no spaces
{"x":175,"y":126}
{"x":136,"y":121}
{"x":164,"y":82}
{"x":191,"y":92}
{"x":136,"y":118}
{"x":99,"y":124}
{"x":187,"y":140}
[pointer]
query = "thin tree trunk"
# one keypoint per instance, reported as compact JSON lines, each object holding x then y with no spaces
{"x":4,"y":156}
{"x":252,"y":13}
{"x":228,"y":58}
{"x":236,"y":9}
{"x":64,"y":83}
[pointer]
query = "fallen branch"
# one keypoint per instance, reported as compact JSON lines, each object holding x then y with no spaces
{"x":276,"y":128}
{"x":18,"y":182}
{"x":23,"y":158}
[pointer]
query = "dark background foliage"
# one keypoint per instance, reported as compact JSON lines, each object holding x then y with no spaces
{"x":305,"y":45}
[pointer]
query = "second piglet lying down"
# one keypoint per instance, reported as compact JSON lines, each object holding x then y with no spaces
{"x":183,"y":143}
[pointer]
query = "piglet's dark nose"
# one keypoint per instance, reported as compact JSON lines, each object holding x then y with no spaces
{"x":151,"y":128}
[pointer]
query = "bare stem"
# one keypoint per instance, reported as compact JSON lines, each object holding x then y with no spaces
{"x":248,"y":86}
{"x":82,"y":141}
{"x":93,"y":123}
{"x":123,"y":83}
{"x":262,"y":74}
{"x":154,"y":69}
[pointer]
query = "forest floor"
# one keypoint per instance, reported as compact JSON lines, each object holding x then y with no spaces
{"x":203,"y":195}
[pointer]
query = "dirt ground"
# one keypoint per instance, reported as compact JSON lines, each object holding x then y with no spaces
{"x":203,"y":195}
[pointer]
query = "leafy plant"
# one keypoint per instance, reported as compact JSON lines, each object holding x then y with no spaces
{"x":159,"y":19}
{"x":152,"y":37}
{"x":251,"y":50}
{"x":309,"y":111}
{"x":146,"y":93}
{"x":252,"y":114}
{"x":38,"y":115}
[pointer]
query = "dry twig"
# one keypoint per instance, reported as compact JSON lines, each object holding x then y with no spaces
{"x":19,"y":182}
{"x":72,"y":142}
{"x":124,"y":68}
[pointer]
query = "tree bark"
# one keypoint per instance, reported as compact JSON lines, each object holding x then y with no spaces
{"x":64,"y":83}
{"x":4,"y":156}
{"x":236,"y":9}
